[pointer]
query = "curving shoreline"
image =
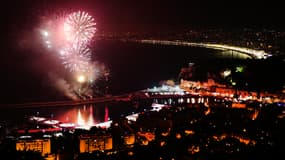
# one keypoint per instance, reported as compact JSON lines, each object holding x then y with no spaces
{"x":256,"y":54}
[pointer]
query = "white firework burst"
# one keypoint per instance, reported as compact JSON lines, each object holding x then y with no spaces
{"x":79,"y":27}
{"x":76,"y":59}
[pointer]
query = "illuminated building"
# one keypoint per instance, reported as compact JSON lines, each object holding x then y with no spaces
{"x":90,"y":143}
{"x":129,"y":139}
{"x":238,"y":105}
{"x":41,"y":145}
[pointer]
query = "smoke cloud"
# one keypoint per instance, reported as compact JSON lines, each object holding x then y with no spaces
{"x":63,"y":86}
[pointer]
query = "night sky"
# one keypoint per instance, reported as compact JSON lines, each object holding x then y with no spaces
{"x":114,"y":15}
{"x":18,"y":18}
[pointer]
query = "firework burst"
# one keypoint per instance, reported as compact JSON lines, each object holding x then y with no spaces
{"x":76,"y":58}
{"x":79,"y":27}
{"x":69,"y":37}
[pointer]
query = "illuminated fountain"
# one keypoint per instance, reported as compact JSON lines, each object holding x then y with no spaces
{"x":80,"y":120}
{"x":90,"y":121}
{"x":106,"y":117}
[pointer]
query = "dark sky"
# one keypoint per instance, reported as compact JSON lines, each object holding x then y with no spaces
{"x":116,"y":15}
{"x":19,"y":17}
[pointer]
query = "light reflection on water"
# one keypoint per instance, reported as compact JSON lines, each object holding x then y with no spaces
{"x":85,"y":114}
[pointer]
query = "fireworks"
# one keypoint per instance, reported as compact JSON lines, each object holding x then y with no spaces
{"x":79,"y":27}
{"x":81,"y":78}
{"x":69,"y":36}
{"x":52,"y":33}
{"x":76,"y":59}
{"x":45,"y":37}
